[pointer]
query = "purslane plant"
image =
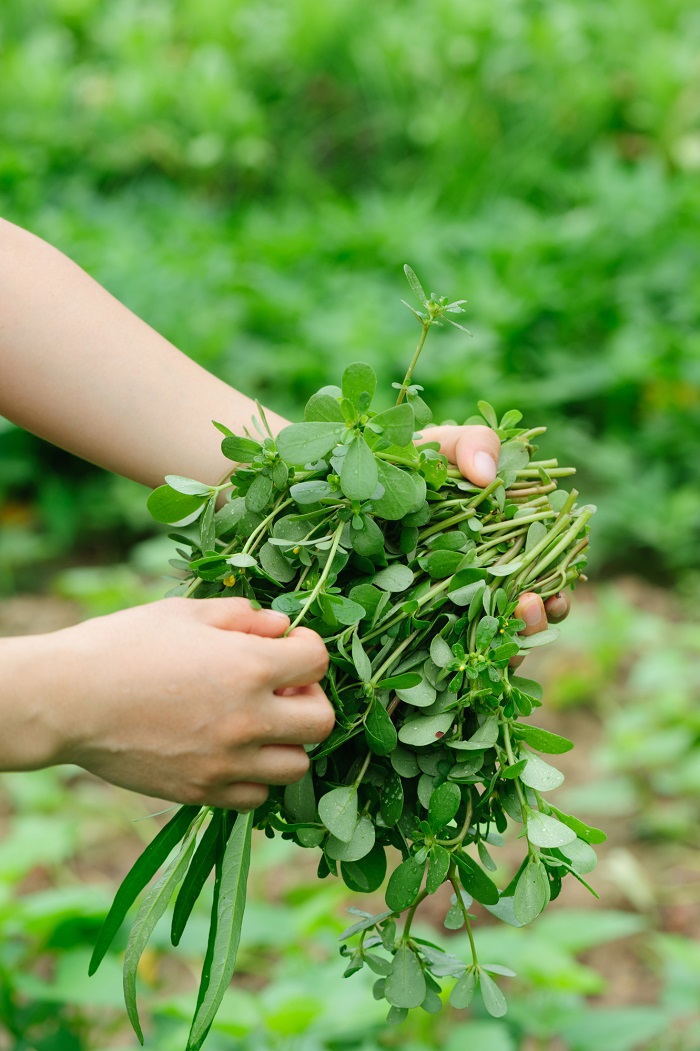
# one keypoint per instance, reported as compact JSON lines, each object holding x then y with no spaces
{"x":354,"y":524}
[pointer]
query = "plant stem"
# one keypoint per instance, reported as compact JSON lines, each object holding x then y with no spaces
{"x":452,"y":877}
{"x":414,"y":361}
{"x":321,"y":580}
{"x":411,"y":913}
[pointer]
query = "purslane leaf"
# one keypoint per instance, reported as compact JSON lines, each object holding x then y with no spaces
{"x":303,"y":443}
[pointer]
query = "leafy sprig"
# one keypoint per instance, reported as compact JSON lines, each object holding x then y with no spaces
{"x":411,"y":574}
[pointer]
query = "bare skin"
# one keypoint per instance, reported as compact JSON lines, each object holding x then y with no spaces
{"x":200,"y":702}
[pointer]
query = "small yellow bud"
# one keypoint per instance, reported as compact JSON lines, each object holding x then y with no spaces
{"x":230,"y":580}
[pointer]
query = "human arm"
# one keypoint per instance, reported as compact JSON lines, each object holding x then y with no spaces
{"x":195,"y":702}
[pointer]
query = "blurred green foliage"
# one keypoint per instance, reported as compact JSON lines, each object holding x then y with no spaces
{"x":250,"y":176}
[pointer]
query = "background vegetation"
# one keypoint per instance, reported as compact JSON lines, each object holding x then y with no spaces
{"x":250,"y":177}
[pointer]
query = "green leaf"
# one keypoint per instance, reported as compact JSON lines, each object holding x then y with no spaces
{"x":230,"y":909}
{"x":260,"y":493}
{"x":396,"y":577}
{"x":531,"y":891}
{"x":275,"y":564}
{"x":474,"y":879}
{"x":363,"y":665}
{"x":300,"y":799}
{"x":438,"y":867}
{"x":338,"y":812}
{"x":485,"y":632}
{"x":406,"y":681}
{"x":138,"y":876}
{"x":541,"y":638}
{"x":444,"y":804}
{"x":494,"y":1000}
{"x":167,"y":505}
{"x":345,"y":610}
{"x":392,"y":800}
{"x":400,"y":495}
{"x":203,"y":862}
{"x":358,"y":378}
{"x":207,"y":529}
{"x":241,"y":450}
{"x":440,"y":652}
{"x":540,"y":775}
{"x":357,"y":847}
{"x":543,"y":740}
{"x":511,"y":772}
{"x":405,"y":986}
{"x":415,"y":284}
{"x":380,"y":732}
{"x":366,"y":875}
{"x":420,"y":696}
{"x":463,"y":992}
{"x":369,"y":540}
{"x":485,"y":737}
{"x":310,"y":492}
{"x":358,"y":475}
{"x":440,"y":564}
{"x":513,"y":456}
{"x":425,"y":729}
{"x":187,"y":486}
{"x":303,"y":443}
{"x":397,"y":424}
{"x":546,"y":831}
{"x":404,"y":884}
{"x":323,"y":408}
{"x":488,"y":413}
{"x":582,"y":856}
{"x":150,"y":911}
{"x":585,"y":832}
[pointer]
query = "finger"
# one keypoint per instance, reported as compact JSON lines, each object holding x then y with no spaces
{"x":299,"y":659}
{"x":237,"y":614}
{"x":530,"y":608}
{"x":278,"y":764}
{"x":242,"y":796}
{"x":557,"y":608}
{"x":474,"y":449}
{"x":306,"y":718}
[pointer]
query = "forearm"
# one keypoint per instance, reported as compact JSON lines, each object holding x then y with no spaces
{"x":81,"y":370}
{"x":34,"y":671}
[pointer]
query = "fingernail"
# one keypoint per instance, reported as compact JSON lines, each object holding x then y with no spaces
{"x":277,"y":613}
{"x":486,"y":466}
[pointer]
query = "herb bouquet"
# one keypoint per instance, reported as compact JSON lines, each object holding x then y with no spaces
{"x":411,"y":575}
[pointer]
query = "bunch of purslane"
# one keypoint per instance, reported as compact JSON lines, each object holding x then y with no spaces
{"x":356,"y":525}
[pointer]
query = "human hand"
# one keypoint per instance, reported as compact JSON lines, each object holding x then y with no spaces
{"x":195,"y":701}
{"x":475,"y":450}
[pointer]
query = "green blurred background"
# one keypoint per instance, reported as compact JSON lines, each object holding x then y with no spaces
{"x":249,"y":177}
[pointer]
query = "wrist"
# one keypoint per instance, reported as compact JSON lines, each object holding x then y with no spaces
{"x":34,"y":697}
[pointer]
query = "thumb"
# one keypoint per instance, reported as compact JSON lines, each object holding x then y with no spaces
{"x":237,"y":614}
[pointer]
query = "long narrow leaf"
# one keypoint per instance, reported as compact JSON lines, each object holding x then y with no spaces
{"x":229,"y":918}
{"x":150,"y":911}
{"x":203,"y":862}
{"x":136,"y":879}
